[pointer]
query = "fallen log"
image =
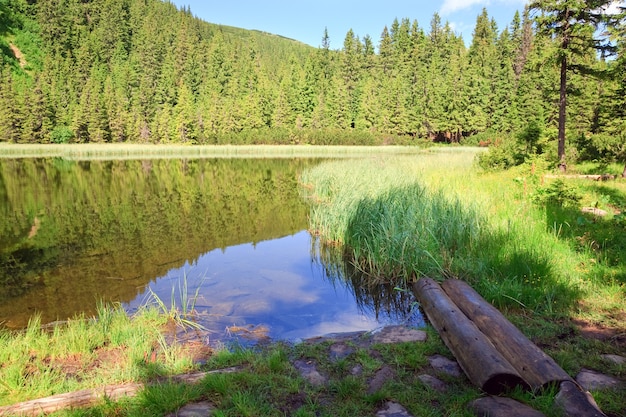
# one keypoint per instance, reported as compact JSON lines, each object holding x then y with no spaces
{"x":76,"y":399}
{"x":537,"y":368}
{"x":477,"y":356}
{"x":595,"y":177}
{"x":90,"y":397}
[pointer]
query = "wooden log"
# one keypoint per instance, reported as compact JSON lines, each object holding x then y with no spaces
{"x":76,"y":399}
{"x":595,"y":177}
{"x":90,"y":397}
{"x":502,"y":407}
{"x":479,"y":359}
{"x":537,"y":368}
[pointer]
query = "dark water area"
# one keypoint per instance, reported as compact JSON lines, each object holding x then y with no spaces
{"x":227,"y":237}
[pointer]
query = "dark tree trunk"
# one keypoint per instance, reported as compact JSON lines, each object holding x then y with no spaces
{"x":562,"y":115}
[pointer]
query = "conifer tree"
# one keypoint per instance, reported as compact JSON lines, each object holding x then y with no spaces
{"x":504,"y":111}
{"x":37,"y":121}
{"x":184,"y":120}
{"x":350,"y":68}
{"x":482,"y":69}
{"x":11,"y":108}
{"x":572,"y":24}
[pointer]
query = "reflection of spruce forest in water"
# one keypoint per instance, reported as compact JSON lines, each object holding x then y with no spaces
{"x":73,"y":233}
{"x":370,"y":294}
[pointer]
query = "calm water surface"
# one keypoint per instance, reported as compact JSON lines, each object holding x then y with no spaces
{"x":226,"y":235}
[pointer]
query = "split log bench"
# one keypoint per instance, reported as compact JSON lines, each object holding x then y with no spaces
{"x":493,"y":353}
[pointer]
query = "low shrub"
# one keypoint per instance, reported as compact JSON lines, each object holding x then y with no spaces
{"x":61,"y":134}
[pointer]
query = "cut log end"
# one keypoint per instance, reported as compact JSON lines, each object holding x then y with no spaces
{"x":502,"y":383}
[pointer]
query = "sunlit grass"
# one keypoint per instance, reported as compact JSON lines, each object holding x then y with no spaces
{"x":135,"y":151}
{"x":398,"y":218}
{"x":182,"y":306}
{"x":84,"y":353}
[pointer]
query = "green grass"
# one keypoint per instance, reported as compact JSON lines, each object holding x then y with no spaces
{"x":398,"y":218}
{"x":384,"y":219}
{"x":182,"y":307}
{"x":85,"y":353}
{"x":135,"y":151}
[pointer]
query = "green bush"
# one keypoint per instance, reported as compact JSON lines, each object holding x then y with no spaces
{"x":61,"y":134}
{"x":500,"y":156}
{"x":558,"y":194}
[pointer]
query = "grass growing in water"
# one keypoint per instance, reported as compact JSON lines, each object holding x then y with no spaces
{"x":181,"y":312}
{"x":401,"y":217}
{"x":136,"y":151}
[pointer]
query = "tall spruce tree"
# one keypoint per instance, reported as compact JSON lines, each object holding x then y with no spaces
{"x":482,"y":72}
{"x":572,"y":24}
{"x":617,"y":123}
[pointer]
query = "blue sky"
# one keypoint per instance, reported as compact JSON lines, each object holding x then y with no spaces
{"x":305,"y":20}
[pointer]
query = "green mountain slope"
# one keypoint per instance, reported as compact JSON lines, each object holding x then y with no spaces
{"x":145,"y":71}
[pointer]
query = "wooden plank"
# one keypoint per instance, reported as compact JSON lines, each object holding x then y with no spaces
{"x":537,"y":368}
{"x":477,"y":356}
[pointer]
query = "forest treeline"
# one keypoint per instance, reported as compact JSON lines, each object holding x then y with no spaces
{"x":145,"y":71}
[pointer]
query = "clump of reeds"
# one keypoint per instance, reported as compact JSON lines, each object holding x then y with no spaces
{"x":396,"y":219}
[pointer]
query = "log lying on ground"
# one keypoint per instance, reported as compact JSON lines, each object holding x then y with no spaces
{"x":90,"y":397}
{"x":595,"y":177}
{"x":477,"y":356}
{"x":537,"y":368}
{"x":76,"y":399}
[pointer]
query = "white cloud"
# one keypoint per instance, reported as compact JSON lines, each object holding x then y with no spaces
{"x":451,"y":6}
{"x":614,"y":8}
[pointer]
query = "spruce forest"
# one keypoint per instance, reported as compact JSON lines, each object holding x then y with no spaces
{"x":77,"y":71}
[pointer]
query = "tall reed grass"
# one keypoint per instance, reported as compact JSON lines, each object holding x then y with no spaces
{"x":137,"y":151}
{"x":397,"y":218}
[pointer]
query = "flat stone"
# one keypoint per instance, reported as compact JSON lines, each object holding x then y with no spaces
{"x":433,"y":383}
{"x":616,"y":359}
{"x":202,"y":409}
{"x":357,"y":370}
{"x":573,"y":401}
{"x":340,"y":351}
{"x":398,"y":334}
{"x":309,"y":372}
{"x":502,"y":407}
{"x":393,"y":410}
{"x":445,"y":365}
{"x":382,"y":375}
{"x":336,"y":337}
{"x":592,"y":380}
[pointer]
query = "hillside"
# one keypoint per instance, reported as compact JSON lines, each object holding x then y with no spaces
{"x":145,"y":71}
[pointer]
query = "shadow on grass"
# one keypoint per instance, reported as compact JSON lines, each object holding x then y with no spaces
{"x":408,"y":233}
{"x":603,"y":238}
